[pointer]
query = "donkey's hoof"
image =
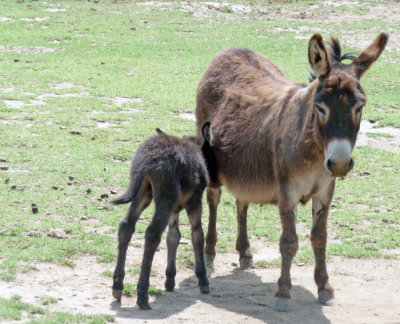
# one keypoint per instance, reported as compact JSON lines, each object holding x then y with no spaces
{"x":282,"y":304}
{"x":204,"y":289}
{"x":144,"y":306}
{"x":325,"y":297}
{"x":169,"y":284}
{"x":117,"y":293}
{"x":246,"y":263}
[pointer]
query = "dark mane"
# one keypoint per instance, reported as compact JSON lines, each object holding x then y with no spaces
{"x":335,"y":56}
{"x":335,"y":52}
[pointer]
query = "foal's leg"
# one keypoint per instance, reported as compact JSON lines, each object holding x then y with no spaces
{"x":125,"y":231}
{"x":288,"y":247}
{"x":173,"y":238}
{"x":213,"y":198}
{"x":164,"y":208}
{"x":320,"y":209}
{"x":193,"y":209}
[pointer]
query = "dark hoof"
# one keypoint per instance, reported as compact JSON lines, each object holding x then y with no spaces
{"x":204,"y":289}
{"x":281,"y":304}
{"x":325,"y":297}
{"x":246,"y":263}
{"x":169,"y":284}
{"x":145,"y":306}
{"x":117,"y":293}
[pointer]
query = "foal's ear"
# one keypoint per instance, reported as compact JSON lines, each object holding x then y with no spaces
{"x":318,"y":56}
{"x":362,"y":63}
{"x":206,"y":131}
{"x":159,"y":131}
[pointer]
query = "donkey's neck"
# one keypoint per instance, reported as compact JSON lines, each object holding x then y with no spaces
{"x":305,"y":102}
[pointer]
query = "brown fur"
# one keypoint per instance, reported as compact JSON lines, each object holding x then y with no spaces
{"x":270,"y":137}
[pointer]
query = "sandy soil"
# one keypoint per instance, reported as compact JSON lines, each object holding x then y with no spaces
{"x":367,"y":291}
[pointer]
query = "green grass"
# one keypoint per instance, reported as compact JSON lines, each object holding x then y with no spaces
{"x":16,"y":309}
{"x":158,"y":64}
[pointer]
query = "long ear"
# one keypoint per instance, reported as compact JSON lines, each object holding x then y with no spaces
{"x":362,"y":63}
{"x":159,"y":131}
{"x":318,"y":56}
{"x":206,"y":131}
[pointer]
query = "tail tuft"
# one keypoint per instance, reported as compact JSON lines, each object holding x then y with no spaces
{"x":124,"y":199}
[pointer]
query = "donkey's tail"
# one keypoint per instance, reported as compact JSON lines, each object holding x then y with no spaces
{"x":136,"y":183}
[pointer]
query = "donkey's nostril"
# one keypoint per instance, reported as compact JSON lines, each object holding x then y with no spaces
{"x":330,"y":164}
{"x":351,"y":164}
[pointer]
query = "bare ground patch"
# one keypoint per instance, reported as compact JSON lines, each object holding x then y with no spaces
{"x":366,"y":292}
{"x":27,"y":50}
{"x":387,"y":143}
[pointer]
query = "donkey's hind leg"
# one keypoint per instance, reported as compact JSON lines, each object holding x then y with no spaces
{"x":213,"y":198}
{"x":165,"y":199}
{"x":125,"y":231}
{"x":173,"y":238}
{"x":193,"y":209}
{"x":242,"y":243}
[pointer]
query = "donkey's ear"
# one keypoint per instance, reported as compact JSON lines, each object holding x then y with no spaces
{"x":362,"y":63}
{"x":206,"y":131}
{"x":318,"y":56}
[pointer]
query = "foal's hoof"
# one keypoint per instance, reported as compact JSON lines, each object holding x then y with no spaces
{"x":204,"y":289}
{"x":117,"y":293}
{"x":246,"y":263}
{"x":282,"y":304}
{"x":169,"y":284}
{"x":144,"y":306}
{"x":325,"y":297}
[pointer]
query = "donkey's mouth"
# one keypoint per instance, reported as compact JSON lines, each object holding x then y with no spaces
{"x":338,"y":160}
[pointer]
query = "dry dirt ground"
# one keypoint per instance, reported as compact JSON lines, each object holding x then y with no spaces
{"x":367,"y":291}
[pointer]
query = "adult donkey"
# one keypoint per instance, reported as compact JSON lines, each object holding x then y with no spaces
{"x":280,"y":142}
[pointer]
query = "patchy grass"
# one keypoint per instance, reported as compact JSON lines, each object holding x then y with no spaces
{"x":15,"y":309}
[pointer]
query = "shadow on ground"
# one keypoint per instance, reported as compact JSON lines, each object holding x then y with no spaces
{"x":241,"y":292}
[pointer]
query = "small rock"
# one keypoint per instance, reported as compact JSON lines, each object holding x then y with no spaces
{"x":372,"y":121}
{"x":84,"y":218}
{"x":234,"y":264}
{"x":75,"y":132}
{"x":4,"y":168}
{"x":63,"y":127}
{"x":94,"y":137}
{"x":7,"y":180}
{"x":16,"y":60}
{"x":88,"y":190}
{"x":102,"y":63}
{"x":3,"y":160}
{"x":35,"y":209}
{"x":300,"y":264}
{"x":364,"y":173}
{"x":104,"y":195}
{"x":71,"y":177}
{"x":113,"y":192}
{"x":385,"y":220}
{"x":54,"y":187}
{"x":105,"y":169}
{"x":133,"y":28}
{"x":69,"y":183}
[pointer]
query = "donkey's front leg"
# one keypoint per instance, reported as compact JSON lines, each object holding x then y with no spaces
{"x":320,"y":209}
{"x":288,"y":247}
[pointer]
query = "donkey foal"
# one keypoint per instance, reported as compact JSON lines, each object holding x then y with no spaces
{"x":171,"y":171}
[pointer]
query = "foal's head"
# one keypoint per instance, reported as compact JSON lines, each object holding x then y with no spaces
{"x":339,"y":98}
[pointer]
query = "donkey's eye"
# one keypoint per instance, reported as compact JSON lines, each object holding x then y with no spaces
{"x":321,"y":110}
{"x":359,"y":110}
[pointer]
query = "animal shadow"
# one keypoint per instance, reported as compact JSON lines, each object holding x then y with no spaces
{"x":240,"y":292}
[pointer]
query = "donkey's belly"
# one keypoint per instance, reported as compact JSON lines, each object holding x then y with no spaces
{"x":252,"y":191}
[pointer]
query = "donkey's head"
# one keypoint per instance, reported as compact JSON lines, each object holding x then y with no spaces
{"x":339,"y":98}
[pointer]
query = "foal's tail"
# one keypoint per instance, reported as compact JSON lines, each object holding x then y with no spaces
{"x":136,"y":183}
